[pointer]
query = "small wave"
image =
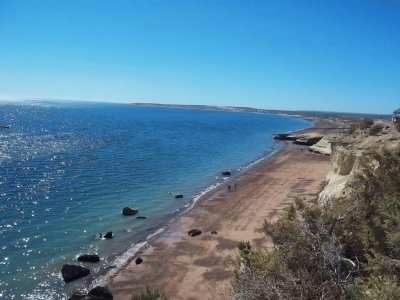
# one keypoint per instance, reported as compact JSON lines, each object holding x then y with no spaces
{"x":119,"y":262}
{"x":157,"y":232}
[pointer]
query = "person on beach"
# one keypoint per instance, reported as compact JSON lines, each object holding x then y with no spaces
{"x":229,"y":187}
{"x":235,"y":186}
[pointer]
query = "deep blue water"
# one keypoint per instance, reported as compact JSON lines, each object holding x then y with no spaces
{"x":68,"y":168}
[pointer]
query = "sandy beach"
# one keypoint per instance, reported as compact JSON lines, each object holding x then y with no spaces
{"x":199,"y":267}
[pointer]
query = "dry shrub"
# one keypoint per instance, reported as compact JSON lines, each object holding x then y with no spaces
{"x":349,"y":249}
{"x":374,"y":130}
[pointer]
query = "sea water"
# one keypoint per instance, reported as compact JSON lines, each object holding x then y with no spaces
{"x":68,"y":169}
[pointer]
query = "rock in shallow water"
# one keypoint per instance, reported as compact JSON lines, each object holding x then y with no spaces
{"x":226,"y":173}
{"x":98,"y":293}
{"x":108,"y":235}
{"x":179,"y":196}
{"x":141,"y":218}
{"x":73,"y":272}
{"x":127,"y":211}
{"x":93,"y":258}
{"x":194,"y":232}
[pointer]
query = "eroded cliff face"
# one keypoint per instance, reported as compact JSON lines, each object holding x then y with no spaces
{"x":343,"y":160}
{"x":348,"y":153}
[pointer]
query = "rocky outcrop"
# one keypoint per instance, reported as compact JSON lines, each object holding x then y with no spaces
{"x":348,"y":155}
{"x":284,"y":137}
{"x":73,"y":272}
{"x":344,"y":161}
{"x":322,"y":147}
{"x":93,"y":258}
{"x":308,"y":141}
{"x":127,"y":211}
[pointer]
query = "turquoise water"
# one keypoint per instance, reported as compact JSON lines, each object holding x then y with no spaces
{"x":68,"y":168}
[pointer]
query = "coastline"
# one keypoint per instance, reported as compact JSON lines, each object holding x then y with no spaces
{"x":172,"y":239}
{"x":128,"y":256}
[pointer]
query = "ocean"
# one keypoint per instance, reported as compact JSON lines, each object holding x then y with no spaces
{"x":68,"y":169}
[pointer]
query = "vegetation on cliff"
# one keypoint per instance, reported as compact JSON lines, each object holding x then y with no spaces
{"x":149,"y":295}
{"x":346,"y":249}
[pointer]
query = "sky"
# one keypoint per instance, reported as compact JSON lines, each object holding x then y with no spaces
{"x":274,"y":54}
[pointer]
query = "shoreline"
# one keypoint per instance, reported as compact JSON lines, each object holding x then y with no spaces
{"x":178,"y":234}
{"x":206,"y":194}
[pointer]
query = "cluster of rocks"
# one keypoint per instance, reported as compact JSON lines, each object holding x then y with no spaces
{"x":72,"y":272}
{"x":98,"y":293}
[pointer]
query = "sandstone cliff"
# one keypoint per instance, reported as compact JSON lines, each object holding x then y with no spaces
{"x":347,"y":155}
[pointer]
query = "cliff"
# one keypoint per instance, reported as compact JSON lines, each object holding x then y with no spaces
{"x":347,"y":155}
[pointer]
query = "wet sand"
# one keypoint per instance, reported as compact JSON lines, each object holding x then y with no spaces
{"x":199,"y":267}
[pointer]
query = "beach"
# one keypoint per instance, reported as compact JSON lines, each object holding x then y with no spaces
{"x":199,"y":267}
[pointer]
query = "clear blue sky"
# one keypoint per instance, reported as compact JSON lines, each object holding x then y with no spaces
{"x":282,"y":54}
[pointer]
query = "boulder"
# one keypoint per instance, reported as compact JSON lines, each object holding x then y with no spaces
{"x":214,"y":232}
{"x":179,"y":196}
{"x":73,"y":272}
{"x":138,"y":260}
{"x":141,"y":218}
{"x":226,"y":173}
{"x":100,"y":293}
{"x":93,"y":258}
{"x":127,"y":211}
{"x":194,"y":232}
{"x":108,"y":235}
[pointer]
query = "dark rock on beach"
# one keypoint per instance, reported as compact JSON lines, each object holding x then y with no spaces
{"x":214,"y":232}
{"x":141,"y":218}
{"x":108,"y":235}
{"x":73,"y":272}
{"x":93,"y":258}
{"x":100,"y":293}
{"x":127,"y":211}
{"x":226,"y":173}
{"x":194,"y":232}
{"x":138,"y":260}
